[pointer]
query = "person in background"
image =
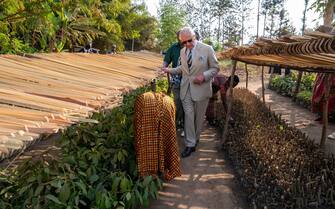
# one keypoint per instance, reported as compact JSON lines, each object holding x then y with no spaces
{"x":220,"y":83}
{"x":198,"y":67}
{"x":318,"y":97}
{"x":172,"y":56}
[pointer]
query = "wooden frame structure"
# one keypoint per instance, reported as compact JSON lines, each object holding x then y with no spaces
{"x":312,"y":52}
{"x":42,"y":93}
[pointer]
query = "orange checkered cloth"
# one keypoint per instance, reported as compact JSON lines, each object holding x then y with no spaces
{"x":155,"y":136}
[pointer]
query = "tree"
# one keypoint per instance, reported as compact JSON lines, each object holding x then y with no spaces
{"x":171,"y":19}
{"x":299,"y":77}
{"x":271,"y":9}
{"x":242,"y":11}
{"x":285,"y":27}
{"x":258,"y":13}
{"x":46,"y":25}
{"x":326,"y":7}
{"x":304,"y":17}
{"x":219,"y":9}
{"x":145,"y":26}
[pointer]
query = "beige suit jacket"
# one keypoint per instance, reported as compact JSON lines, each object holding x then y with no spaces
{"x":204,"y":62}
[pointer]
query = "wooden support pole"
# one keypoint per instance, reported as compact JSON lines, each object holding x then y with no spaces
{"x":246,"y":76}
{"x":229,"y":104}
{"x":327,"y":78}
{"x":297,"y":87}
{"x":153,"y":85}
{"x":168,"y":91}
{"x":263,"y":89}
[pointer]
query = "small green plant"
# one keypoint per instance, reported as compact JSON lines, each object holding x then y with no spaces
{"x":304,"y":98}
{"x":286,"y":86}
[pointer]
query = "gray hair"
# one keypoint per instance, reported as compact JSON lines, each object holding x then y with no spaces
{"x":186,"y":31}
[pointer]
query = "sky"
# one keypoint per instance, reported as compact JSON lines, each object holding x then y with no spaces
{"x":295,"y":10}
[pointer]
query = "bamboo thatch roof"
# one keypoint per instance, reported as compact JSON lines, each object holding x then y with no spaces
{"x":43,"y":93}
{"x":314,"y":51}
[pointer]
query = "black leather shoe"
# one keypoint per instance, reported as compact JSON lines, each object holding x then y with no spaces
{"x":187,"y":151}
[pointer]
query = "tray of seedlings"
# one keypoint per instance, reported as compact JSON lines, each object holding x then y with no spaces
{"x":278,"y":165}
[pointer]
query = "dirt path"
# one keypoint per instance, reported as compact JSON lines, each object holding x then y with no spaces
{"x":207,"y":180}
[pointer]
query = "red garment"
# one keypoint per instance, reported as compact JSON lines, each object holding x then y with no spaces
{"x":218,"y":85}
{"x":319,"y":91}
{"x":219,"y":82}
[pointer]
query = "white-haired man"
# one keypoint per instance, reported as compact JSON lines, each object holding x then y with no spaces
{"x":198,"y":66}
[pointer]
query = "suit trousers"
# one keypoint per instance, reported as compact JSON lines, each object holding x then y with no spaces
{"x":194,"y":117}
{"x":179,"y":106}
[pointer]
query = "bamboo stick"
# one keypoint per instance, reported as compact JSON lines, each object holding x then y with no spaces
{"x":263,"y":88}
{"x":247,"y":75}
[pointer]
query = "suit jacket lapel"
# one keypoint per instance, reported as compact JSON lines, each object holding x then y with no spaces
{"x":184,"y":61}
{"x":196,"y":56}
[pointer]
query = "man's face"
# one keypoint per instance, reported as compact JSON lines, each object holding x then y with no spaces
{"x":187,"y":40}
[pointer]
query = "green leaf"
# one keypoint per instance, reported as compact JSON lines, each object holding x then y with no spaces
{"x":54,"y":199}
{"x":128,"y":196}
{"x":108,"y":203}
{"x":24,"y":189}
{"x":115,"y":184}
{"x":147,"y":180}
{"x":94,"y":178}
{"x":139,"y":197}
{"x":65,"y":192}
{"x":124,"y":184}
{"x":82,"y":186}
{"x":38,"y":190}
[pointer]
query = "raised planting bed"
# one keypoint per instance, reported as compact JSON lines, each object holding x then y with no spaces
{"x":286,"y":85}
{"x":95,"y":169}
{"x":278,"y":165}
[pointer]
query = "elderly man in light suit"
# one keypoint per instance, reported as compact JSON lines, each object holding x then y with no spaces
{"x":198,"y":66}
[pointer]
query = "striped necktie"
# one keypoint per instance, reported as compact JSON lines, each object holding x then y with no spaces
{"x":189,"y":58}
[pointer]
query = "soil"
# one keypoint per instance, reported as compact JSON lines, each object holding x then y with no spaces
{"x":207,"y":181}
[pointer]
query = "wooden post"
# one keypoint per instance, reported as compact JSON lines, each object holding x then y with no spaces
{"x":246,"y":76}
{"x":168,"y":91}
{"x":229,"y":103}
{"x":328,"y":78}
{"x":297,"y":88}
{"x":153,"y":85}
{"x":263,"y":89}
{"x":271,"y":68}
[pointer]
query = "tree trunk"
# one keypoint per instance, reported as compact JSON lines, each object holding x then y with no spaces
{"x":242,"y":30}
{"x":229,"y":104}
{"x":219,"y":30}
{"x":297,"y":88}
{"x":259,"y":1}
{"x":264,"y":26}
{"x":222,"y":32}
{"x":329,"y":13}
{"x":304,"y":17}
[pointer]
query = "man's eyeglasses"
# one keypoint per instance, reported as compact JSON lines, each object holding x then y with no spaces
{"x":189,"y":41}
